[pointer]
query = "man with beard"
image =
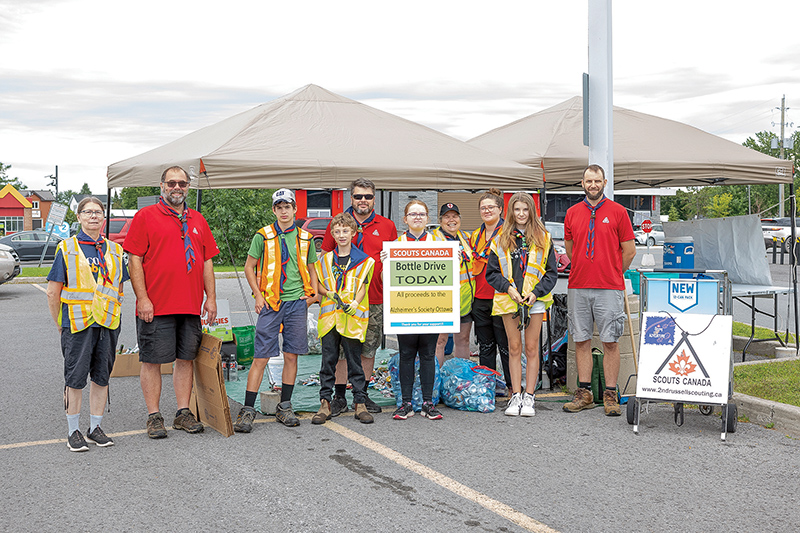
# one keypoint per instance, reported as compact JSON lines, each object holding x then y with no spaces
{"x":598,"y":237}
{"x":170,"y":250}
{"x":373,"y":230}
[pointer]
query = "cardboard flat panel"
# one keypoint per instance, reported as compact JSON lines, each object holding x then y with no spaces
{"x":209,"y":401}
{"x":127,"y":364}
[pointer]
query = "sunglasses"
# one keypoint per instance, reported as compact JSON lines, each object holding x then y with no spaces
{"x":363,"y":196}
{"x":172,"y":184}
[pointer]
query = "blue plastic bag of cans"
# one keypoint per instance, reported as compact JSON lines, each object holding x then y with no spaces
{"x":416,"y":395}
{"x":467,"y":386}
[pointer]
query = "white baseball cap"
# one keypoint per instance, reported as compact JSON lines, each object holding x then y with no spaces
{"x":282,"y":195}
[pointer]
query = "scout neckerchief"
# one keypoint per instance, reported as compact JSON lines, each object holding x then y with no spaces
{"x":423,"y":237}
{"x":523,"y":249}
{"x":187,"y":240}
{"x":338,"y":273}
{"x":464,"y":256}
{"x":100,"y":254}
{"x":590,"y":236}
{"x":284,"y":247}
{"x":359,"y":237}
{"x":484,"y":253}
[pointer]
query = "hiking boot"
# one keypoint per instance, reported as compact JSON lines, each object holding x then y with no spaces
{"x":338,"y":406}
{"x":610,"y":403}
{"x":155,"y":426}
{"x":185,"y":420}
{"x":583,"y":399}
{"x":362,"y":414}
{"x":404,"y":411}
{"x":244,"y":422}
{"x":371,"y":406}
{"x":429,"y":411}
{"x":99,"y":437}
{"x":286,"y":416}
{"x":514,"y":405}
{"x":76,"y":442}
{"x":527,"y":408}
{"x":323,"y":414}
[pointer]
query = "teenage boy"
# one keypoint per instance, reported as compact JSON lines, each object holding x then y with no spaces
{"x":278,"y":269}
{"x":344,"y":275}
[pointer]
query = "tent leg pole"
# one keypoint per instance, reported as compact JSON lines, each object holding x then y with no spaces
{"x":199,"y":199}
{"x":793,"y":263}
{"x":108,"y":214}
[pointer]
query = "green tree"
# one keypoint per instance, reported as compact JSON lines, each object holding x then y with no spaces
{"x":129,"y":195}
{"x":85,"y":189}
{"x":674,"y":214}
{"x":720,"y":205}
{"x":765,"y":197}
{"x":5,"y":180}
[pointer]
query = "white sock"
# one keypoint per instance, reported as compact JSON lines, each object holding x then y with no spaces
{"x":94,"y":421}
{"x":74,"y":422}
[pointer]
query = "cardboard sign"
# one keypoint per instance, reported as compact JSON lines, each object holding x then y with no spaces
{"x":221,"y":327}
{"x":685,"y":358}
{"x":209,"y":401}
{"x":127,"y":364}
{"x":421,"y":287}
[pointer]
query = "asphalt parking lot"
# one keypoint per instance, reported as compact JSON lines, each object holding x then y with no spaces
{"x":467,"y":472}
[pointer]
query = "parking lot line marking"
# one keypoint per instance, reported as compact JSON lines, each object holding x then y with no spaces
{"x":39,"y":287}
{"x":443,"y":481}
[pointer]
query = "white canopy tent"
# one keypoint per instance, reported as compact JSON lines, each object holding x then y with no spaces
{"x":315,"y":139}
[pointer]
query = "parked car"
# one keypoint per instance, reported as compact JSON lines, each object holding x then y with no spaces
{"x":118,"y":229}
{"x":556,"y":230}
{"x":316,"y":226}
{"x":777,"y":229}
{"x":29,"y":244}
{"x":9,"y":264}
{"x":656,"y":236}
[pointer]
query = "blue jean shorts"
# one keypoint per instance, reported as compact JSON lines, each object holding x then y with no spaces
{"x":290,"y":315}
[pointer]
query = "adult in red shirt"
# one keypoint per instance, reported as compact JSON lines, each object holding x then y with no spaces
{"x":373,"y":231}
{"x":598,"y":237}
{"x":170,"y":251}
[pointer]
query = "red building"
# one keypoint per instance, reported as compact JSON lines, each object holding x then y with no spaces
{"x":15,"y":211}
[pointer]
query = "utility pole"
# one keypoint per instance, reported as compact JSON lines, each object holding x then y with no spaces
{"x":54,"y":181}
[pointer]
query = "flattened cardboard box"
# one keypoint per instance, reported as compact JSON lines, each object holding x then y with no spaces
{"x":127,"y":364}
{"x":209,"y":401}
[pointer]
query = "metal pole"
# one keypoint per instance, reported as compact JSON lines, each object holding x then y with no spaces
{"x":108,"y":214}
{"x":780,"y":187}
{"x":793,"y":263}
{"x":601,"y":89}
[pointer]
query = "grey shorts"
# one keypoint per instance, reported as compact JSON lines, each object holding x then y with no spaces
{"x":603,"y":307}
{"x":374,"y":333}
{"x":169,"y":337}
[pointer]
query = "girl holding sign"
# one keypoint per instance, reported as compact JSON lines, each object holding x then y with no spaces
{"x":411,"y":345}
{"x":523,"y":271}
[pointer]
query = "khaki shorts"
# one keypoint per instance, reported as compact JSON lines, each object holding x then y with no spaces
{"x":603,"y":307}
{"x":374,"y":333}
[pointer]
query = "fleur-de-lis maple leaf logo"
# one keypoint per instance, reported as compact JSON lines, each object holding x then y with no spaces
{"x":681,"y":365}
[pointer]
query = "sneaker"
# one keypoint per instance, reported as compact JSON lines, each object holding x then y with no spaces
{"x":404,"y":411}
{"x":99,"y":438}
{"x":185,"y":420}
{"x":610,"y":403}
{"x":362,"y":414}
{"x":76,"y":442}
{"x":583,"y":399}
{"x":429,"y":411}
{"x":371,"y":406}
{"x":155,"y":426}
{"x":244,"y":422}
{"x":514,"y":405}
{"x":323,"y":414}
{"x":338,"y":406}
{"x":527,"y":408}
{"x":285,"y":415}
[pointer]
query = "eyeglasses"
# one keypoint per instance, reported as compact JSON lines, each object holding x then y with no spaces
{"x":417,"y":215}
{"x":90,"y":214}
{"x":363,"y":196}
{"x":488,"y":208}
{"x":172,"y":184}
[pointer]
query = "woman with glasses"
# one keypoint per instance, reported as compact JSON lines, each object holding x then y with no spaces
{"x":84,"y":294}
{"x":450,"y":230}
{"x":523,"y":271}
{"x":488,"y":329}
{"x":423,"y":344}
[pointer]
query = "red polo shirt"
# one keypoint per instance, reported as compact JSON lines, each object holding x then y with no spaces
{"x":374,"y":233}
{"x":612,"y":226}
{"x":155,"y":235}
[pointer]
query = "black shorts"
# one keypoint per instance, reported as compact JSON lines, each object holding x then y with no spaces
{"x":88,"y":352}
{"x":168,"y":337}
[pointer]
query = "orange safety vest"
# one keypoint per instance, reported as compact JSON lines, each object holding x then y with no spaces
{"x":356,"y":275}
{"x":91,"y":300}
{"x":467,"y":283}
{"x":534,"y":271}
{"x":270,"y":274}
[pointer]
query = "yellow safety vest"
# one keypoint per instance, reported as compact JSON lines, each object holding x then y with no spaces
{"x":270,"y":282}
{"x":350,"y":326}
{"x":89,"y":300}
{"x":534,"y":271}
{"x":467,"y":283}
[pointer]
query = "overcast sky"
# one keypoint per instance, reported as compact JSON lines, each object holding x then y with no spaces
{"x":86,"y":83}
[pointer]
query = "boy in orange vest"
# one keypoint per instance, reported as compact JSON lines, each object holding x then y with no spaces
{"x":280,"y":273}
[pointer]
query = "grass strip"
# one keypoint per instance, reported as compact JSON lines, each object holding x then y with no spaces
{"x":779,"y":382}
